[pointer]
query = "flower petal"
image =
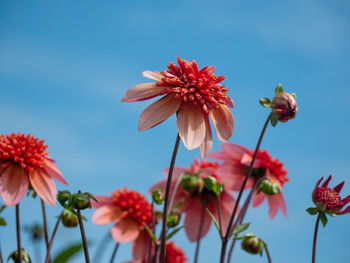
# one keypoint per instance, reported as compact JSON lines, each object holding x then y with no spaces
{"x":339,"y":187}
{"x":230,"y":103}
{"x":13,"y":185}
{"x":155,"y":75}
{"x":140,"y":246}
{"x":52,"y":170}
{"x":258,"y":199}
{"x":227,"y":205}
{"x":223,"y":122}
{"x":143,"y":91}
{"x":276,"y":201}
{"x":325,"y":184}
{"x":107,"y":214}
{"x":102,"y":200}
{"x":43,"y":185}
{"x":125,"y":231}
{"x":158,"y":112}
{"x":191,"y":125}
{"x":207,"y":143}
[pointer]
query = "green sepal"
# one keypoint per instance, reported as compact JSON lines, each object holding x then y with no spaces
{"x":3,"y":221}
{"x":2,"y":208}
{"x":312,"y":210}
{"x":265,"y":102}
{"x":209,"y":182}
{"x":91,"y":196}
{"x":240,"y":228}
{"x":323,"y":218}
{"x":178,"y":204}
{"x":274,"y":120}
{"x":150,"y":233}
{"x":278,"y":89}
{"x":214,"y":221}
{"x":172,"y":233}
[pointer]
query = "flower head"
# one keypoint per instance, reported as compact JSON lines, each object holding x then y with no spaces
{"x":284,"y":106}
{"x":192,"y":93}
{"x":130,"y":212}
{"x":237,"y":159}
{"x":24,"y":160}
{"x":328,"y":199}
{"x":195,"y":195}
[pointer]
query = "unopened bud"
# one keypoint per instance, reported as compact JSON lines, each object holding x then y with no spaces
{"x":158,"y":196}
{"x":81,"y":201}
{"x":14,"y":256}
{"x":173,"y":219}
{"x":69,"y":219}
{"x":268,"y":187}
{"x":284,"y":106}
{"x":64,"y":198}
{"x":252,"y":244}
{"x":192,"y":183}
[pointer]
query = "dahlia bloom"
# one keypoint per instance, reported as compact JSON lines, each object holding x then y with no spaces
{"x":328,"y":199}
{"x":236,"y":160}
{"x":191,"y":93}
{"x":129,"y":211}
{"x":24,"y":161}
{"x":195,"y":199}
{"x":173,"y":254}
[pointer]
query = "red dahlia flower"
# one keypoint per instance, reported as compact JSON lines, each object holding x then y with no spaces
{"x":328,"y":199}
{"x":24,"y":161}
{"x":192,"y":93}
{"x":237,"y":159}
{"x":130,"y":211}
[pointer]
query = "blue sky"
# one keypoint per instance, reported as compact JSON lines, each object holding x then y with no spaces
{"x":64,"y":67}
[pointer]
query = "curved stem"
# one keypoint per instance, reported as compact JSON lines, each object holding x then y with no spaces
{"x":165,"y":210}
{"x":199,"y":235}
{"x":250,"y":169}
{"x":83,"y":237}
{"x":47,"y":259}
{"x":44,"y":223}
{"x":114,"y":252}
{"x":315,"y":239}
{"x":18,"y":228}
{"x":268,"y":254}
{"x":219,"y":214}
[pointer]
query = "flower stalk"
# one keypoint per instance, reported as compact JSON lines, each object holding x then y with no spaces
{"x":47,"y":259}
{"x":18,"y":228}
{"x":83,"y":237}
{"x":315,"y":239}
{"x":44,"y":223}
{"x":114,"y":252}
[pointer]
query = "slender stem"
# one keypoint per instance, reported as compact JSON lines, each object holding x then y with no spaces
{"x":250,"y":169}
{"x":18,"y":228}
{"x":114,"y":252}
{"x":1,"y":259}
{"x":83,"y":237}
{"x":170,"y":174}
{"x":219,"y":214}
{"x":199,"y":234}
{"x":47,"y":259}
{"x":315,"y":239}
{"x":156,"y":252}
{"x":149,"y":256}
{"x":45,"y":223}
{"x":102,"y":246}
{"x":173,"y":193}
{"x":268,"y":254}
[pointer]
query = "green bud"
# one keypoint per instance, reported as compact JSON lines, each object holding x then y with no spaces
{"x":192,"y":183}
{"x":15,"y":258}
{"x":69,"y":219}
{"x":268,"y":187}
{"x":81,"y":201}
{"x":157,"y":196}
{"x":173,"y":219}
{"x":64,"y":198}
{"x":252,"y":244}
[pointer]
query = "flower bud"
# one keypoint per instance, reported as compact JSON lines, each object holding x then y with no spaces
{"x":158,"y":196}
{"x":252,"y":244}
{"x":192,"y":183}
{"x":69,"y":219}
{"x":268,"y":187}
{"x":64,"y":198}
{"x":173,"y":219}
{"x":81,"y":201}
{"x":14,"y":256}
{"x":284,"y":106}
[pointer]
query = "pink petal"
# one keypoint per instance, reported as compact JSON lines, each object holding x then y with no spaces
{"x":227,"y":205}
{"x":207,"y":143}
{"x":140,"y":246}
{"x":158,"y":112}
{"x":13,"y":185}
{"x":346,"y":210}
{"x":276,"y":201}
{"x":223,"y":122}
{"x":177,"y":171}
{"x":125,"y":231}
{"x":325,"y":184}
{"x":102,"y":200}
{"x":339,"y":187}
{"x":235,"y":151}
{"x":230,"y":103}
{"x":319,"y":181}
{"x":191,"y":125}
{"x":44,"y":186}
{"x":52,"y":170}
{"x":258,"y":199}
{"x":107,"y":214}
{"x":346,"y":200}
{"x":232,"y":176}
{"x":193,"y":215}
{"x":143,"y":91}
{"x":153,"y":75}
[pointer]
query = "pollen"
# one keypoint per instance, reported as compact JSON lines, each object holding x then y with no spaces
{"x":191,"y":85}
{"x":24,"y":150}
{"x":330,"y":197}
{"x":134,"y":205}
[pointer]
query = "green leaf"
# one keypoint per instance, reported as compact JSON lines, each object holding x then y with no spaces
{"x":274,"y":120}
{"x":2,"y":208}
{"x":265,"y":102}
{"x":150,"y":233}
{"x":214,"y":221}
{"x":178,"y":204}
{"x":172,"y":233}
{"x":323,"y":218}
{"x":278,"y":89}
{"x":64,"y":255}
{"x":312,"y":210}
{"x":91,"y":196}
{"x":240,"y":228}
{"x":2,"y":221}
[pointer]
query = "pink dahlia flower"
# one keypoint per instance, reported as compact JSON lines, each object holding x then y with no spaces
{"x":328,"y":199}
{"x":24,"y":161}
{"x":192,"y":93}
{"x":129,"y":211}
{"x":195,"y":198}
{"x":237,"y":159}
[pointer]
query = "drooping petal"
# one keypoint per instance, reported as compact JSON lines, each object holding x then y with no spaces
{"x":325,"y":184}
{"x":125,"y":231}
{"x":346,"y":210}
{"x":102,"y":200}
{"x":52,"y":170}
{"x":232,"y":176}
{"x":43,"y":185}
{"x":177,"y":171}
{"x":276,"y":201}
{"x":339,"y":187}
{"x":247,"y":159}
{"x":107,"y":214}
{"x":143,"y":91}
{"x":207,"y":143}
{"x":258,"y":199}
{"x":13,"y":184}
{"x":158,"y":112}
{"x":140,"y":246}
{"x":223,"y":122}
{"x":155,"y":75}
{"x":227,"y":205}
{"x":346,"y":200}
{"x":319,"y":181}
{"x":191,"y":125}
{"x":230,"y":103}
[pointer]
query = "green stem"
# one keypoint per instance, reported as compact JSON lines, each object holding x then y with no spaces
{"x":18,"y":228}
{"x":315,"y":239}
